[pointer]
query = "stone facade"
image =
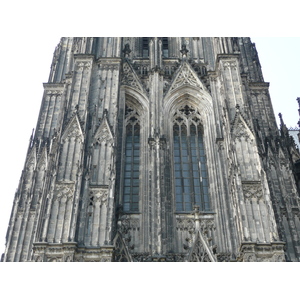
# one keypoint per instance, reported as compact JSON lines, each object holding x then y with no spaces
{"x":157,"y":149}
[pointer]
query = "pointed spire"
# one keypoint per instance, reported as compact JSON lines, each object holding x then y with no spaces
{"x":126,"y":50}
{"x":184,"y":51}
{"x":298,"y":99}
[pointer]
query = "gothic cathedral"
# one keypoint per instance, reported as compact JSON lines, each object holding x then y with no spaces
{"x":157,"y":149}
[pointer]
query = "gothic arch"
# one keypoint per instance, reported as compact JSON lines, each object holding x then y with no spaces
{"x":133,"y":139}
{"x":136,"y":98}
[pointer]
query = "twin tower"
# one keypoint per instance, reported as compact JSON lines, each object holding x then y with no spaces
{"x":156,"y":149}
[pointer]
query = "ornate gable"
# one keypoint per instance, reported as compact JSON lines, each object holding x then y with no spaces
{"x":103,"y":133}
{"x":42,"y":160}
{"x":31,"y":158}
{"x":130,"y":78}
{"x":73,"y":129}
{"x":240,"y":127}
{"x":186,"y":76}
{"x":201,"y":251}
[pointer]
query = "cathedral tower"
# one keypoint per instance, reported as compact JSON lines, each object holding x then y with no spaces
{"x":157,"y":149}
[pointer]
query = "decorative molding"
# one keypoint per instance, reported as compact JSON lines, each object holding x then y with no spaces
{"x":98,"y":195}
{"x":64,"y":192}
{"x":186,"y":76}
{"x":130,"y":78}
{"x":104,"y":133}
{"x":252,"y":190}
{"x":73,"y":129}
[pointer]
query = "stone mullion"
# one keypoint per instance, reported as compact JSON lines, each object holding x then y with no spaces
{"x":106,"y":164}
{"x":75,"y":159}
{"x":266,"y":228}
{"x":102,"y":92}
{"x":109,"y":90}
{"x":28,"y":241}
{"x":222,"y":204}
{"x":251,"y":219}
{"x":52,"y":114}
{"x":15,"y":232}
{"x":75,"y":202}
{"x":62,"y":215}
{"x":95,"y":224}
{"x":61,"y":61}
{"x":84,"y":92}
{"x":64,"y":212}
{"x":64,"y":157}
{"x":53,"y":221}
{"x":244,"y":218}
{"x":252,"y":160}
{"x":55,"y":116}
{"x":69,"y":160}
{"x":217,"y":103}
{"x":66,"y":221}
{"x":101,"y":163}
{"x":102,"y":224}
{"x":11,"y":226}
{"x":105,"y":95}
{"x":77,"y":84}
{"x":257,"y":216}
{"x":49,"y":115}
{"x":96,"y":162}
{"x":24,"y":241}
{"x":22,"y":231}
{"x":57,"y":228}
{"x":44,"y":113}
{"x":45,"y":229}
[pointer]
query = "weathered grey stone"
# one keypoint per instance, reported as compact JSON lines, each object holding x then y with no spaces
{"x":107,"y":129}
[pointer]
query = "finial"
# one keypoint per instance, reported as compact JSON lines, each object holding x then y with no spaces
{"x":183,"y":50}
{"x":126,"y":50}
{"x":280,"y":117}
{"x":298,"y":99}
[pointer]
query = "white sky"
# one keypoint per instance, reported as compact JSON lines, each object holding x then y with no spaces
{"x":30,"y":30}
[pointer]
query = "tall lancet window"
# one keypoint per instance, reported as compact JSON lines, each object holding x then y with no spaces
{"x":131,"y":162}
{"x":190,"y":169}
{"x":165,"y":47}
{"x":145,"y":47}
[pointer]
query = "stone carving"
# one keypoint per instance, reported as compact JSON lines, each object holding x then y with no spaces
{"x":185,"y":224}
{"x":240,"y":129}
{"x":73,"y":129}
{"x":252,"y":190}
{"x":147,"y":257}
{"x":121,"y":253}
{"x":83,"y":65}
{"x":186,"y":76}
{"x":103,"y":133}
{"x":200,"y":251}
{"x":129,"y":78}
{"x":99,"y":195}
{"x":64,"y":192}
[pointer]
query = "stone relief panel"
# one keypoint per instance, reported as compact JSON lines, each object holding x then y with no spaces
{"x":129,"y":227}
{"x":252,"y":191}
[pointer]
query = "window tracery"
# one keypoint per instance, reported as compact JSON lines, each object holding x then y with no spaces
{"x":131,"y":161}
{"x":190,"y":169}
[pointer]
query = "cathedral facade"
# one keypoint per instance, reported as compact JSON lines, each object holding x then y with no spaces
{"x":157,"y":149}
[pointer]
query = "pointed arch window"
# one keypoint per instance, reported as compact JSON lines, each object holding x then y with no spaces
{"x":145,"y":47}
{"x":131,"y":161}
{"x":165,"y":47}
{"x":190,"y":169}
